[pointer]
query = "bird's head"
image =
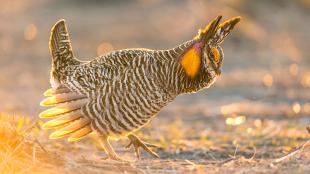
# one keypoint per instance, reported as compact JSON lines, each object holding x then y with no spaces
{"x":205,"y":55}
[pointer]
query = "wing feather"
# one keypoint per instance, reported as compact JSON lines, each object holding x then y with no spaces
{"x":71,"y":128}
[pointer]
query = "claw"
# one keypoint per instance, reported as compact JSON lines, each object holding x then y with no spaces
{"x":137,"y":143}
{"x":129,"y":145}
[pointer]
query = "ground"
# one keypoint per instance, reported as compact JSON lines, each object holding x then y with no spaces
{"x":253,"y":120}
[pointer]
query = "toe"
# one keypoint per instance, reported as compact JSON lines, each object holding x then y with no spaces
{"x":152,"y":145}
{"x":128,"y":146}
{"x":137,"y":151}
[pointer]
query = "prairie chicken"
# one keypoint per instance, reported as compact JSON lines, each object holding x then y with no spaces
{"x":117,"y":93}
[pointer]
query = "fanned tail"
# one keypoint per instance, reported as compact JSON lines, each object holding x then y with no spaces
{"x":66,"y":115}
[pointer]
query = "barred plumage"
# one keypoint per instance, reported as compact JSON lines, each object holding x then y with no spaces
{"x":117,"y":93}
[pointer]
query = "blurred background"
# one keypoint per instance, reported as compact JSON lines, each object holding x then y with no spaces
{"x":261,"y":101}
{"x":265,"y":72}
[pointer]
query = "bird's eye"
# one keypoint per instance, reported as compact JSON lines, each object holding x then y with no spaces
{"x":211,"y":55}
{"x":214,"y":54}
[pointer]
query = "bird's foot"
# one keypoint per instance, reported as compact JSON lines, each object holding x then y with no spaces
{"x":137,"y":143}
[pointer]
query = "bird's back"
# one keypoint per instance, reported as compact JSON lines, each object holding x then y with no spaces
{"x":125,"y":88}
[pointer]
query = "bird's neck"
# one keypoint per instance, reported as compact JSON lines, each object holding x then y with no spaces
{"x":181,"y":83}
{"x":173,"y":76}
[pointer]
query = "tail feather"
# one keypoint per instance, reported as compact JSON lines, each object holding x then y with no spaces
{"x":61,"y":51}
{"x":66,"y":114}
{"x":60,"y":46}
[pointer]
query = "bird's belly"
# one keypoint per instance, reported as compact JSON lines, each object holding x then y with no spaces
{"x":129,"y":112}
{"x":130,"y":117}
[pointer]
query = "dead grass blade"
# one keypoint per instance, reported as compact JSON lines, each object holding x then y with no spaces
{"x":299,"y":149}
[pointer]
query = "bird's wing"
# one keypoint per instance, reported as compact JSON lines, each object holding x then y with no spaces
{"x":103,"y":70}
{"x":129,"y":95}
{"x":66,"y":115}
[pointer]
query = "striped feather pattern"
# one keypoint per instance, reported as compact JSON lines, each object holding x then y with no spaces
{"x":119,"y":92}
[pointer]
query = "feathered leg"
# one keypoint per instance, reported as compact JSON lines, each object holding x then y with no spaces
{"x":137,"y":143}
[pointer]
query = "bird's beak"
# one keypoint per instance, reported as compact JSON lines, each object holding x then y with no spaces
{"x":218,"y":72}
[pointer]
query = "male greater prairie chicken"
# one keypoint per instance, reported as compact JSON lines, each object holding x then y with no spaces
{"x":117,"y":93}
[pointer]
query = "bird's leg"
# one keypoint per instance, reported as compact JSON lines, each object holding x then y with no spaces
{"x":108,"y":149}
{"x":137,"y":143}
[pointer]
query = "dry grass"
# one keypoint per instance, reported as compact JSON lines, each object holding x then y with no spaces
{"x":20,"y":151}
{"x":227,"y":149}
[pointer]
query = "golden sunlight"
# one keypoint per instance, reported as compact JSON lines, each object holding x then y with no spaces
{"x":104,"y":48}
{"x":296,"y":108}
{"x":305,"y":81}
{"x":30,"y":32}
{"x":268,"y":80}
{"x":235,"y":121}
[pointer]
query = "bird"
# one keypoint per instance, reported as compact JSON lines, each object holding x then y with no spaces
{"x":116,"y":94}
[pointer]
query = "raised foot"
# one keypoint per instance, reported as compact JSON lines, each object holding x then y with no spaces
{"x":137,"y":143}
